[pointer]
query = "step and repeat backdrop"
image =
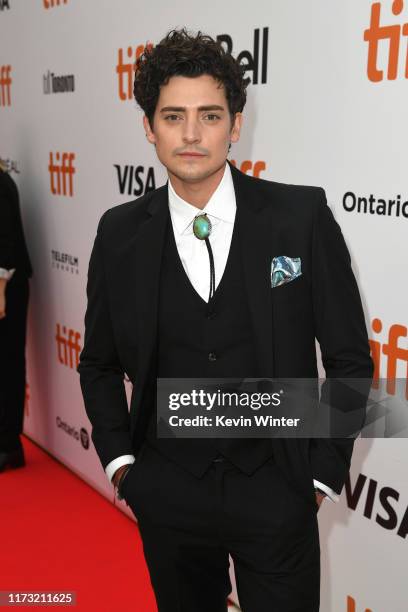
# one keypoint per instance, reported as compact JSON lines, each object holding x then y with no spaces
{"x":327,"y":105}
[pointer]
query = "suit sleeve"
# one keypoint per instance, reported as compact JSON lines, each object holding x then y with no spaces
{"x":8,"y":197}
{"x":341,"y":332}
{"x":101,"y":373}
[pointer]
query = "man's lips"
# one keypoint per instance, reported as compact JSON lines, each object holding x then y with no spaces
{"x":191,"y":154}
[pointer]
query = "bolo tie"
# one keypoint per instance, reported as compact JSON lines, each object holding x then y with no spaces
{"x":202,"y":230}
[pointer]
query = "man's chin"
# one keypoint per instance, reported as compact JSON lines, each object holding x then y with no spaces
{"x":192,"y":174}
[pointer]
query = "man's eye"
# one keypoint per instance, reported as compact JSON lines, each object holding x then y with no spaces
{"x":171,"y":117}
{"x":214,"y":116}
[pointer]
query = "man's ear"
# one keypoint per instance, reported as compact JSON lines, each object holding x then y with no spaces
{"x":149,"y":132}
{"x":236,"y":127}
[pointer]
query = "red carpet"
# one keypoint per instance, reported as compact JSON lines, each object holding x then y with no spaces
{"x":57,"y":533}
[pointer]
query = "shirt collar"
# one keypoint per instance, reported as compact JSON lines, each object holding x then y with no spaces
{"x":221,"y":206}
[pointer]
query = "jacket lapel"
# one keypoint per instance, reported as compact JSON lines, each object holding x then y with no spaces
{"x":256,"y":232}
{"x":149,"y":241}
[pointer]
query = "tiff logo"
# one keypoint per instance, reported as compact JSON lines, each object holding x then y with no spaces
{"x":51,"y":3}
{"x":247,"y":165}
{"x":59,"y":170}
{"x":5,"y":86}
{"x":4,"y":4}
{"x":125,"y":69}
{"x":351,"y":605}
{"x":393,"y":352}
{"x":68,"y":346}
{"x":391,"y":33}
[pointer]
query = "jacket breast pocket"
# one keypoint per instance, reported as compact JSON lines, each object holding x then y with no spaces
{"x":292,"y":290}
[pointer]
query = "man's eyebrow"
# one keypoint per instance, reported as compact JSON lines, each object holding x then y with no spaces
{"x":181,"y":109}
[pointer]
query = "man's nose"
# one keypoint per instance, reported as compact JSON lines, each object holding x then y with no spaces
{"x":192,"y":132}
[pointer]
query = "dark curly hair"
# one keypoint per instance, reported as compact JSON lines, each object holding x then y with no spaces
{"x":183,"y":54}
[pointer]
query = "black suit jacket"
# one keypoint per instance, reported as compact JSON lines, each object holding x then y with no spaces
{"x":13,"y":249}
{"x":324,"y":302}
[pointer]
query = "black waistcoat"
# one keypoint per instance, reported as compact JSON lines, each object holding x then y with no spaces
{"x":199,"y":339}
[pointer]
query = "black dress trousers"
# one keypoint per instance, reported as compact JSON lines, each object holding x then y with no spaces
{"x":190,"y":525}
{"x":13,"y":329}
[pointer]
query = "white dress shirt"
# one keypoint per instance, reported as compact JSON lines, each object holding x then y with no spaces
{"x":7,"y":274}
{"x":221,"y":210}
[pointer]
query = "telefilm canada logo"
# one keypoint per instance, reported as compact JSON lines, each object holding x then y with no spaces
{"x":80,"y":435}
{"x":64,"y":262}
{"x":54,"y":83}
{"x":135,"y":180}
{"x":384,"y":35}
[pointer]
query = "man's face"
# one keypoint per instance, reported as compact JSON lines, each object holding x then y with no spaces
{"x":192,"y":127}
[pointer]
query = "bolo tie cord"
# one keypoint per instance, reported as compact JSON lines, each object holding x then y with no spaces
{"x":212,"y":269}
{"x":202,"y":229}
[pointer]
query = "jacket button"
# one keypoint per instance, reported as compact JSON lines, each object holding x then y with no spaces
{"x":212,"y":356}
{"x":210,"y":314}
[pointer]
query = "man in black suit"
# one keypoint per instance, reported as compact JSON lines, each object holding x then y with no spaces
{"x":15,"y":270}
{"x":158,"y":309}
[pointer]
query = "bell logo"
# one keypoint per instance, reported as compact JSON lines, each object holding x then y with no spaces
{"x":68,"y":347}
{"x":247,"y":165}
{"x":393,"y":352}
{"x":351,"y":605}
{"x":5,"y":86}
{"x":51,"y":3}
{"x":59,"y":170}
{"x":125,"y":70}
{"x":255,"y":62}
{"x":391,"y":33}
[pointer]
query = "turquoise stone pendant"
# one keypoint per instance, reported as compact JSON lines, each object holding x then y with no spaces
{"x":202,"y":227}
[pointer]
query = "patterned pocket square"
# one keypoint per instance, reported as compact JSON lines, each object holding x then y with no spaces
{"x":284,"y":269}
